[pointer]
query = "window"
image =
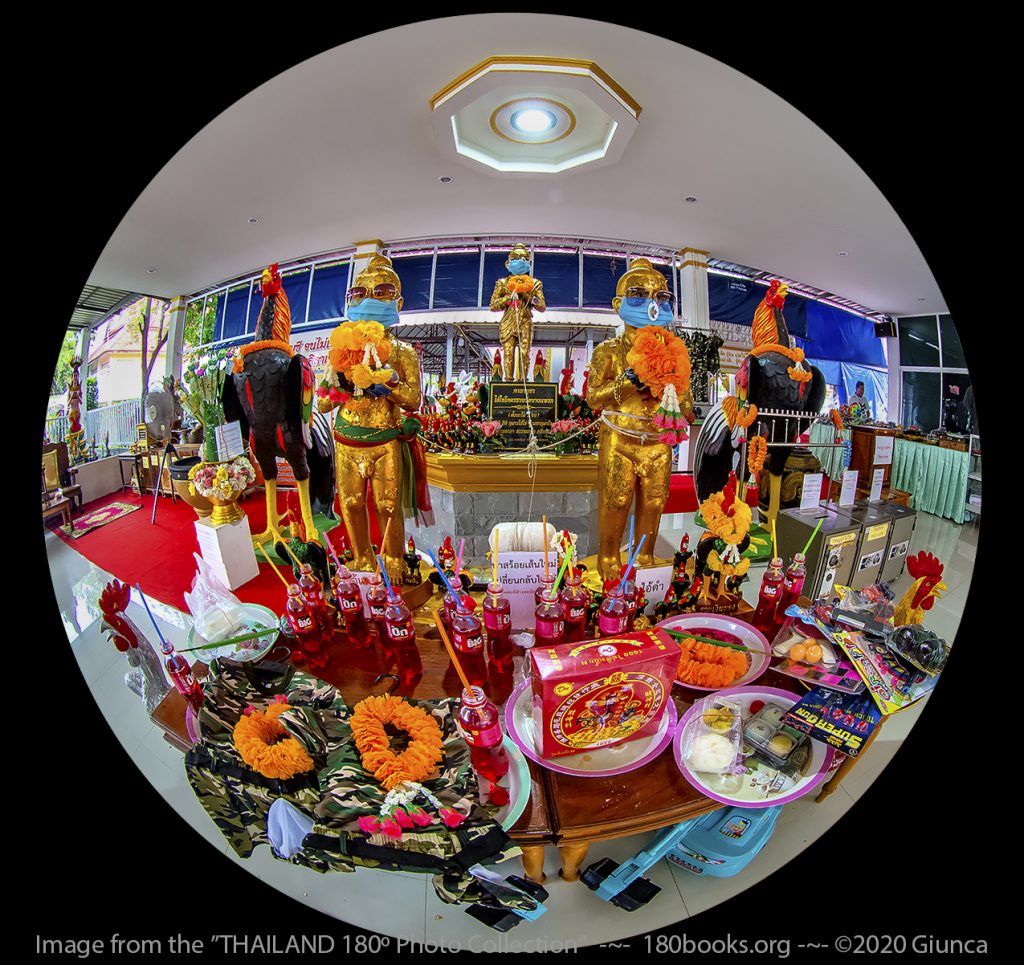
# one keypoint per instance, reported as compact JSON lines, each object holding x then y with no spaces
{"x":456,"y":279}
{"x":919,"y":341}
{"x":235,"y":312}
{"x":921,"y":392}
{"x":952,"y":351}
{"x":327,"y":299}
{"x":560,"y":274}
{"x":414,"y":274}
{"x":600,"y":275}
{"x":934,"y":376}
{"x":494,"y":268}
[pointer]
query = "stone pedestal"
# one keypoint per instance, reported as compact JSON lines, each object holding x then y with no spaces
{"x":228,"y":550}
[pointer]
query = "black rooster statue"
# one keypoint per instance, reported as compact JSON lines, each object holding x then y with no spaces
{"x":271,"y":395}
{"x":772,"y":377}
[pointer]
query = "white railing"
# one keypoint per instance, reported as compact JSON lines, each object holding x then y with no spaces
{"x":119,"y":421}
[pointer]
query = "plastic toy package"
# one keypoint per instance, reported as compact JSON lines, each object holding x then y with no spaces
{"x":869,"y":609}
{"x":919,"y":646}
{"x":713,"y":740}
{"x":843,"y":721}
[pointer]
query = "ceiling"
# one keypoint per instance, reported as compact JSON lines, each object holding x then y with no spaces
{"x":323,"y":158}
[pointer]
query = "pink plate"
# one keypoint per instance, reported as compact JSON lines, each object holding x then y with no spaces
{"x":747,"y":635}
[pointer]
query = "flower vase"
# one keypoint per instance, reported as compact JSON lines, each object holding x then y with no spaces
{"x":226,"y":510}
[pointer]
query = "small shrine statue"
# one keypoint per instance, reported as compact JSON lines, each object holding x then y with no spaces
{"x":517,"y":297}
{"x":412,"y":564}
{"x":641,"y":381}
{"x":719,"y":559}
{"x":538,"y":367}
{"x":78,"y":449}
{"x":496,"y":366}
{"x":146,"y":676}
{"x":373,"y":381}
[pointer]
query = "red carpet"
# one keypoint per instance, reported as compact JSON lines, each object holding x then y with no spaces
{"x":159,"y":556}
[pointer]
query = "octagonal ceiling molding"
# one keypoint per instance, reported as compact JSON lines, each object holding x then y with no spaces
{"x":593,"y":117}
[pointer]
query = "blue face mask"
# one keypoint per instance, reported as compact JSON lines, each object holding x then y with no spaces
{"x":373,"y":310}
{"x":519,"y":266}
{"x":646,"y":312}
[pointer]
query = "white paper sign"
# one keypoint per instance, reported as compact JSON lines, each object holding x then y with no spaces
{"x":899,"y":549}
{"x":519,"y":574}
{"x":655,"y":581}
{"x":810,"y":495}
{"x":848,"y":493}
{"x":876,"y":485}
{"x":362,"y":578}
{"x":883,"y":450}
{"x":229,"y":440}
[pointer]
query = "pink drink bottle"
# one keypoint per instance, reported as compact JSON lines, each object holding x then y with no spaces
{"x":768,"y":599}
{"x":401,"y":636}
{"x":613,"y":615}
{"x":629,"y":591}
{"x":575,"y":601}
{"x":498,"y":623}
{"x":181,"y":674}
{"x":549,"y":625}
{"x":468,"y":641}
{"x":377,"y":600}
{"x":350,"y":603}
{"x":481,"y":729}
{"x":543,"y":590}
{"x":792,"y":586}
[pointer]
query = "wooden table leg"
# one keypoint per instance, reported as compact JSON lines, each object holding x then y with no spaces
{"x":533,"y":863}
{"x":573,"y":855}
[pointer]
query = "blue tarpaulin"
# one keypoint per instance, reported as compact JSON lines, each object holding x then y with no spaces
{"x":734,"y":300}
{"x":840,"y":336}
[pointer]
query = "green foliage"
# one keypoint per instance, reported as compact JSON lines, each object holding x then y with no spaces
{"x":62,"y":373}
{"x":199,"y":324}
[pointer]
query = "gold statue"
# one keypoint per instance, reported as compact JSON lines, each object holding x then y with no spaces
{"x":632,"y":461}
{"x":516,"y":297}
{"x":373,"y":380}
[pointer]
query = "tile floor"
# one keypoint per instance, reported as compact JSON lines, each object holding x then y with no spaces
{"x":575,"y":915}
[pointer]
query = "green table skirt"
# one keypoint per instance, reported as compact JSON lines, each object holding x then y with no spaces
{"x":936,"y":478}
{"x":832,"y":458}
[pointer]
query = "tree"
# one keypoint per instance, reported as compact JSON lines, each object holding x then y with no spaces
{"x":199,"y":324}
{"x":62,"y":373}
{"x":143,"y":321}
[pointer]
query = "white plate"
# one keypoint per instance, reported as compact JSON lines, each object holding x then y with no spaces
{"x":744,"y":632}
{"x":519,"y":785}
{"x":255,"y":616}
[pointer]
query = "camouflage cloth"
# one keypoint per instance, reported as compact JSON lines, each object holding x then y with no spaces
{"x":339,"y":791}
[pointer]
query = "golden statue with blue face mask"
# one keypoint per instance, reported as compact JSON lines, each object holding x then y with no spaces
{"x":375,"y":437}
{"x":632,"y":461}
{"x":517,"y":296}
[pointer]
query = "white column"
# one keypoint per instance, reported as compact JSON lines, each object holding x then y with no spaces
{"x":895,"y":413}
{"x":693,"y":293}
{"x":175,"y":337}
{"x":448,"y":347}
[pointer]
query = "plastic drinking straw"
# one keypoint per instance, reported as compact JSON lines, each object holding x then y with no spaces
{"x":494,"y":579}
{"x":384,"y":536}
{"x":629,"y":550}
{"x":632,"y":560}
{"x":547,"y":572}
{"x":775,"y":545}
{"x":287,"y":549}
{"x":558,"y":578}
{"x":384,"y":573}
{"x":440,"y":573}
{"x":146,"y":605}
{"x":817,"y":526}
{"x":458,"y":556}
{"x":451,"y":652}
{"x":273,"y":567}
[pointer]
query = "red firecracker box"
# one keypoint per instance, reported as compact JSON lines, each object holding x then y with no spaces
{"x":597,"y":693}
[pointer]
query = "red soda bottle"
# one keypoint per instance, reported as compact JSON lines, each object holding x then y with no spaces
{"x":313,"y":596}
{"x":629,"y":591}
{"x":300,"y":619}
{"x":468,"y":641}
{"x":481,"y":729}
{"x":768,"y":599}
{"x":401,"y":638}
{"x":448,"y":611}
{"x":181,"y":674}
{"x":614,"y":613}
{"x":350,"y":605}
{"x":498,"y":622}
{"x":575,"y":601}
{"x":377,"y":600}
{"x":792,"y":586}
{"x":549,"y":625}
{"x":543,"y":591}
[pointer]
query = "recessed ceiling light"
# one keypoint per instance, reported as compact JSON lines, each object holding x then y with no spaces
{"x":691,"y":200}
{"x":533,"y":120}
{"x":920,"y":299}
{"x":254,"y":221}
{"x":843,"y":254}
{"x":150,"y":271}
{"x":445,"y":179}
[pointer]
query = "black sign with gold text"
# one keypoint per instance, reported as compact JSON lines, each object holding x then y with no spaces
{"x":508,"y":402}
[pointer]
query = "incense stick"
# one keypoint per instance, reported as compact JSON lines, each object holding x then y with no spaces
{"x":273,"y":566}
{"x":815,"y":533}
{"x":629,"y":550}
{"x":384,"y":536}
{"x":451,"y":652}
{"x":547,"y":572}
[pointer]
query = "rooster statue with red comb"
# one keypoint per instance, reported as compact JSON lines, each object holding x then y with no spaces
{"x":924,"y":591}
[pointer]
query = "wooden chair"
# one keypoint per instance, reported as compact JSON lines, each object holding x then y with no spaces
{"x":66,"y":475}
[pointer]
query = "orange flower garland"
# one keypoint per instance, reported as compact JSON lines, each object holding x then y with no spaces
{"x":417,"y":761}
{"x":837,"y":419}
{"x":265,"y":745}
{"x":734,"y":415}
{"x":521,"y":284}
{"x":659,"y":358}
{"x":728,"y":527}
{"x":757,"y":451}
{"x":348,"y":345}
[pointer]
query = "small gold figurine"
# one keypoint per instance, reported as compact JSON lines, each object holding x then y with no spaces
{"x":373,"y":380}
{"x":632,"y":461}
{"x":517,"y":296}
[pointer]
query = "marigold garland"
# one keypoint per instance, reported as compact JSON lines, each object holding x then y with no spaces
{"x":837,"y":419}
{"x":412,"y":765}
{"x":265,"y":745}
{"x":757,"y":451}
{"x":348,"y":346}
{"x":729,"y":529}
{"x":734,"y":415}
{"x":659,"y":358}
{"x":521,"y":284}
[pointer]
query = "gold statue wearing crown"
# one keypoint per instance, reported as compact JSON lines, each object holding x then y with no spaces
{"x":641,"y":381}
{"x":373,"y":381}
{"x":517,"y":296}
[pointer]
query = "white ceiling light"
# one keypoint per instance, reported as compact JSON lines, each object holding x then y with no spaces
{"x":533,"y":120}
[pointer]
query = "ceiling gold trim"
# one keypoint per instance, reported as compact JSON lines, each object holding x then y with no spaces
{"x":511,"y":63}
{"x":696,"y":264}
{"x":540,"y":100}
{"x":694,"y":251}
{"x":368,"y":241}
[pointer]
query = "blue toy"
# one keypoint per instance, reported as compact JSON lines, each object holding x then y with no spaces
{"x":721,"y":843}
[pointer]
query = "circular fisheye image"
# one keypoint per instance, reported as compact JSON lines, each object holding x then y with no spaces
{"x":522,"y":502}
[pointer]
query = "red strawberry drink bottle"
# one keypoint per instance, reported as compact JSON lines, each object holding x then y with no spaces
{"x":301,"y":620}
{"x":613,"y":616}
{"x":498,"y":623}
{"x":377,"y":600}
{"x":313,"y":596}
{"x":768,"y":599}
{"x":549,"y":625}
{"x":181,"y":675}
{"x":350,"y":604}
{"x":401,"y":637}
{"x":481,"y":729}
{"x":575,"y":601}
{"x":450,"y":608}
{"x":629,"y":592}
{"x":792,"y":585}
{"x":543,"y":591}
{"x":468,"y":641}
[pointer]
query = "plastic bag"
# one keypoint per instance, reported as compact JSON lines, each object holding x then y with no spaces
{"x":216,"y":611}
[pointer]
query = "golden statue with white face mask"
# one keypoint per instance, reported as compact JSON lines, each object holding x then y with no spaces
{"x":632,"y":462}
{"x":517,"y":296}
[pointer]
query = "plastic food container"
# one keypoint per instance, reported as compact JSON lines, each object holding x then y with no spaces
{"x":713,"y":742}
